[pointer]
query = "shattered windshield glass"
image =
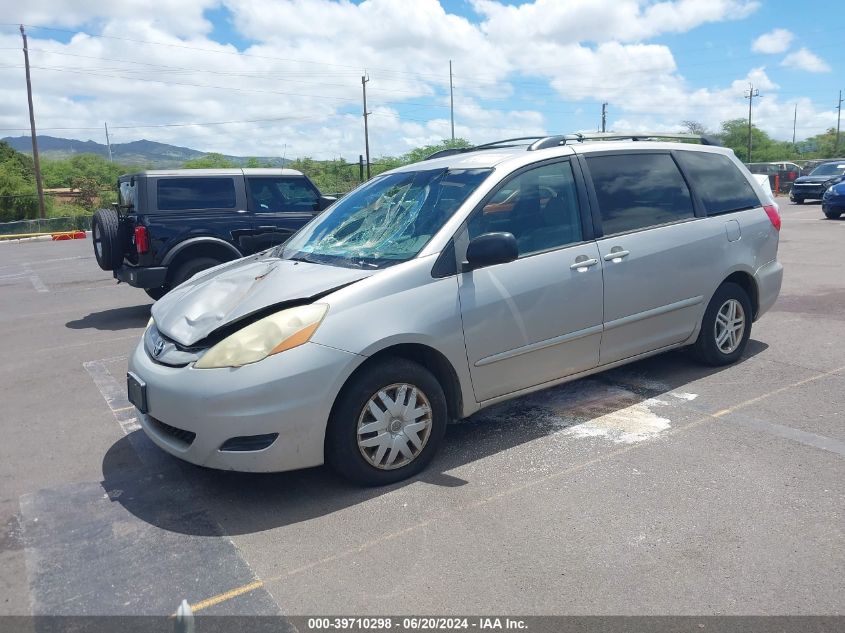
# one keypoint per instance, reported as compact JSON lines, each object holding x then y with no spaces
{"x":386,"y":221}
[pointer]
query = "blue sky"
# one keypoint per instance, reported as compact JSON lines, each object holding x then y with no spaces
{"x":272,"y":76}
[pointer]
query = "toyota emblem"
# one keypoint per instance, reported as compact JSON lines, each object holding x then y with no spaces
{"x":159,"y":347}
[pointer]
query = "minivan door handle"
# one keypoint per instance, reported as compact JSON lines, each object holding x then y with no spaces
{"x":582,"y":263}
{"x":616,"y":253}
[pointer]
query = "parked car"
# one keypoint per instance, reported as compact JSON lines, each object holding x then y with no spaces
{"x":171,"y":224}
{"x":418,"y":298}
{"x":807,"y":166}
{"x":833,"y":201}
{"x":781,"y":174}
{"x":812,"y":187}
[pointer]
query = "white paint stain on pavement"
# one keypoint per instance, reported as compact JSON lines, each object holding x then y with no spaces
{"x":680,"y":395}
{"x":593,"y":409}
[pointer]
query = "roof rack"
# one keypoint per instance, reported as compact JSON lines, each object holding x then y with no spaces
{"x":545,"y":142}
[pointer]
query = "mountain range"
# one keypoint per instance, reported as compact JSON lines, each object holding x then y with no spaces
{"x":142,"y":153}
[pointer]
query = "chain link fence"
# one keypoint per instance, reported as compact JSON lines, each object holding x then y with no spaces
{"x":48,"y":225}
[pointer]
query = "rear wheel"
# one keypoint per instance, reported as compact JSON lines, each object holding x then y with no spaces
{"x":833,"y":215}
{"x":387,"y":423}
{"x":189,"y":269}
{"x":725,"y":327}
{"x":105,"y":233}
{"x":798,"y":200}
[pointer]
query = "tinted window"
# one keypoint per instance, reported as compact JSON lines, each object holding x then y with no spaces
{"x":539,"y":206}
{"x":270,"y":195}
{"x":177,"y":194}
{"x":636,"y":191}
{"x":718,"y":182}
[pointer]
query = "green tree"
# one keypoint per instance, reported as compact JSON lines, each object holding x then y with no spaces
{"x":62,"y":172}
{"x":421,"y":153}
{"x":18,"y":199}
{"x":209,"y":161}
{"x":734,"y":134}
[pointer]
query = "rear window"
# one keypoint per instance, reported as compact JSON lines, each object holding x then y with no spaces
{"x":718,"y":182}
{"x":179,"y":194}
{"x":637,"y":191}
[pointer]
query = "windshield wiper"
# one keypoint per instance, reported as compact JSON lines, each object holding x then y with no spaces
{"x":303,"y":258}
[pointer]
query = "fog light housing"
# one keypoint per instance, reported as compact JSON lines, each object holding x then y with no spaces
{"x":248,"y":443}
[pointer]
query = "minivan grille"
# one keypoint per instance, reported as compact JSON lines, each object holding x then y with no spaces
{"x":180,"y":435}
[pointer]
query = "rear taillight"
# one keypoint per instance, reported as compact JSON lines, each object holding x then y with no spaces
{"x":142,"y":240}
{"x":792,"y":175}
{"x":774,"y":217}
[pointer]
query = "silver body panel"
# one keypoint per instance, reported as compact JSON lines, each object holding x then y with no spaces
{"x":505,"y":330}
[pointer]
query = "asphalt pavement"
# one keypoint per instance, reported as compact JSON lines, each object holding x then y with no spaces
{"x":663,"y":487}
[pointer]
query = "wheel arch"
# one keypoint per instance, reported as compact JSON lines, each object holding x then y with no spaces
{"x":430,"y":358}
{"x":198,"y":247}
{"x":746,"y":281}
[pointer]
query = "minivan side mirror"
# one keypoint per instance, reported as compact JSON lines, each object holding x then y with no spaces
{"x":489,"y":249}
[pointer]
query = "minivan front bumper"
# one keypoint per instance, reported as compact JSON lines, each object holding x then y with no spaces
{"x":192,"y":413}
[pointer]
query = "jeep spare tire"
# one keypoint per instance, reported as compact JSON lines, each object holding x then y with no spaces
{"x":105,"y":233}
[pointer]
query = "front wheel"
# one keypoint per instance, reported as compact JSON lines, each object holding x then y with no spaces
{"x":798,"y":200}
{"x":833,"y":215}
{"x":725,"y":327}
{"x":387,"y":423}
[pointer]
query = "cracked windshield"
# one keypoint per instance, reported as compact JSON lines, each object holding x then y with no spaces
{"x":386,"y":221}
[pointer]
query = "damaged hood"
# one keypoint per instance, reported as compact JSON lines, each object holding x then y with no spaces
{"x":230,"y":292}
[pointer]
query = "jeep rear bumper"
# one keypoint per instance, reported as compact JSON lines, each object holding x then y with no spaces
{"x":151,"y":277}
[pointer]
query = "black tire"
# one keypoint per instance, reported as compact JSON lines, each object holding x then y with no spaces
{"x":833,"y":215}
{"x":705,"y":348}
{"x":105,"y":234}
{"x":342,"y":452}
{"x":191,"y":268}
{"x":798,"y":200}
{"x":156,"y":293}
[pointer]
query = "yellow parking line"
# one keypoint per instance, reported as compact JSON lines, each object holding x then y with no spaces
{"x":238,"y":591}
{"x":223,"y":597}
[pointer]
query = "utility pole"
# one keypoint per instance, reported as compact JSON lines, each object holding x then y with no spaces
{"x":838,"y":120}
{"x":108,"y":142}
{"x":451,"y":100}
{"x":794,"y":125}
{"x":604,"y":116}
{"x":39,"y":186}
{"x":752,"y":92}
{"x":364,"y":80}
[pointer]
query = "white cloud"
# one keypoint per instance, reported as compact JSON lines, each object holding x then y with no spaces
{"x":775,"y":41}
{"x":306,"y":57}
{"x":803,"y":59}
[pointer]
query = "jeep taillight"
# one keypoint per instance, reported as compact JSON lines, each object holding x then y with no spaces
{"x":142,"y":240}
{"x":774,"y":217}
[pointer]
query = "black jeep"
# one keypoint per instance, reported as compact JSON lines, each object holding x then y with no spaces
{"x":169,"y":225}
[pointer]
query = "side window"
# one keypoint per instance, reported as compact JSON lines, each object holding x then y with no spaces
{"x":275,"y":195}
{"x":636,"y":191}
{"x":539,"y":206}
{"x":718,"y":182}
{"x":180,"y":194}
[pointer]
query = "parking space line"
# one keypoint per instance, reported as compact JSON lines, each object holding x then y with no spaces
{"x":35,"y":279}
{"x":113,"y":393}
{"x":223,"y":597}
{"x":706,"y":417}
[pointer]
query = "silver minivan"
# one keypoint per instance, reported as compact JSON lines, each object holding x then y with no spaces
{"x":445,"y":286}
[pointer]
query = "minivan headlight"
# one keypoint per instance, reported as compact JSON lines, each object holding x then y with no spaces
{"x":273,"y":334}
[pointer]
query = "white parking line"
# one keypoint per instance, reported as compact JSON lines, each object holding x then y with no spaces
{"x":113,"y":392}
{"x":35,"y":279}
